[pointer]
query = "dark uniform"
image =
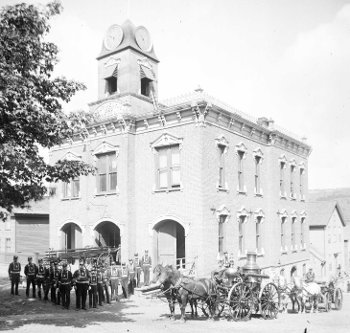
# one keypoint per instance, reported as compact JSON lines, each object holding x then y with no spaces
{"x":30,"y":272}
{"x":54,"y":276}
{"x":105,"y":279}
{"x":138,"y":269}
{"x":114,"y":281}
{"x":124,"y":279}
{"x":65,"y":281}
{"x":81,"y":279}
{"x":132,"y":281}
{"x":93,"y":288}
{"x":146,"y":267}
{"x":14,"y":275}
{"x":100,"y":285}
{"x":41,"y":277}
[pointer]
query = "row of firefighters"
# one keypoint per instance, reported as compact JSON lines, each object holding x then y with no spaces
{"x":100,"y":282}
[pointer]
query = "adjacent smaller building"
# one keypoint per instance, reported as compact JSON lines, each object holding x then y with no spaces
{"x":327,"y":247}
{"x":25,"y":232}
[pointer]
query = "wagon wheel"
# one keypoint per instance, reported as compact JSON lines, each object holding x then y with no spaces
{"x":270,"y":300}
{"x":338,"y":299}
{"x":239,"y":302}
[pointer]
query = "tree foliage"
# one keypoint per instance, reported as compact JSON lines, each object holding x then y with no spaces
{"x":31,"y":113}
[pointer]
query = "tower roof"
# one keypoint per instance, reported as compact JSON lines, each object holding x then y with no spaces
{"x":125,"y":36}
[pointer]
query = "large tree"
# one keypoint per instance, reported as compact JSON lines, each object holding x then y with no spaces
{"x":31,"y":113}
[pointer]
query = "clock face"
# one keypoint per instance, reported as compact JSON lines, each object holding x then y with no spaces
{"x":143,"y":39}
{"x":114,"y":37}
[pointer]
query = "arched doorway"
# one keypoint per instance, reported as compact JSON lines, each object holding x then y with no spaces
{"x":107,"y":234}
{"x":71,"y":236}
{"x":169,"y":243}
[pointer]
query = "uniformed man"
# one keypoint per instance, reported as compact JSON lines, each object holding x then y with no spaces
{"x":114,"y":281}
{"x":47,"y":283}
{"x":40,"y":278}
{"x":106,"y":279}
{"x":118,"y":255}
{"x":132,"y":281}
{"x":55,"y":291}
{"x":146,"y":267}
{"x":81,"y":279}
{"x":93,"y":287}
{"x":218,"y":274}
{"x":310,"y":276}
{"x":30,"y":271}
{"x":100,"y":285}
{"x":282,"y":281}
{"x":124,"y":279}
{"x":14,"y":275}
{"x":231,"y":260}
{"x":138,"y":269}
{"x":65,"y":281}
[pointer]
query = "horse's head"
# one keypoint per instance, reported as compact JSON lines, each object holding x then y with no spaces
{"x":157,"y":272}
{"x":168,"y":276}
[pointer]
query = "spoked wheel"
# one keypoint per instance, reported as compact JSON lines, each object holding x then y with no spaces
{"x":270,"y":300}
{"x":338,"y":299}
{"x":239,"y":302}
{"x":205,"y":309}
{"x":326,"y":300}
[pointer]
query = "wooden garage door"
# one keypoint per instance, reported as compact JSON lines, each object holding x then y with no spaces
{"x":167,"y":243}
{"x":32,"y":234}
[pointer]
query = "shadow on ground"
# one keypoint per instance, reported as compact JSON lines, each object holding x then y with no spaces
{"x":16,"y":311}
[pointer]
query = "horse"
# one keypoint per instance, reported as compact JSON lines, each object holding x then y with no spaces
{"x":303,"y":293}
{"x":186,"y":289}
{"x":169,"y":292}
{"x":286,"y":294}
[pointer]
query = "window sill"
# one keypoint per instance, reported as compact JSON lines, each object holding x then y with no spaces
{"x":69,"y":199}
{"x":105,"y":194}
{"x":293,"y":198}
{"x":260,"y":253}
{"x":242,"y":192}
{"x":167,"y":190}
{"x":258,"y":194}
{"x":283,"y":196}
{"x":222,"y":189}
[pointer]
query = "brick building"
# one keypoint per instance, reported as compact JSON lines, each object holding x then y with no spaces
{"x":188,"y":178}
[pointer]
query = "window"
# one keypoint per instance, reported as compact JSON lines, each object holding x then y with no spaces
{"x":282,"y":179}
{"x":222,"y":219}
{"x":302,"y":226}
{"x":292,"y":234}
{"x":292,"y":172}
{"x":222,"y":166}
{"x":258,"y":243}
{"x":301,"y":183}
{"x":111,"y":85}
{"x":106,"y":172}
{"x":7,"y":245}
{"x":257,"y":175}
{"x":241,"y":234}
{"x":304,"y":270}
{"x":240,"y":171}
{"x":71,"y":189}
{"x":146,"y":86}
{"x":283,"y":233}
{"x":168,"y":170}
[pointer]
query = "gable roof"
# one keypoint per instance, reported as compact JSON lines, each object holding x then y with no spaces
{"x":341,"y":195}
{"x":320,"y":212}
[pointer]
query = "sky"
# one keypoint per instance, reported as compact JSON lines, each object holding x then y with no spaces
{"x":288,"y":60}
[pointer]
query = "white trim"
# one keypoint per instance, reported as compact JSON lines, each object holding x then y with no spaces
{"x":166,"y":140}
{"x":105,"y":147}
{"x":151,"y":225}
{"x":71,"y":221}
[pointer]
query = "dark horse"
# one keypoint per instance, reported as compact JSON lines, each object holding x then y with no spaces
{"x":184,"y":289}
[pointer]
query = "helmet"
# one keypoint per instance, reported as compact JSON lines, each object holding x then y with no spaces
{"x":64,"y":264}
{"x":30,"y":258}
{"x":40,"y":260}
{"x":15,"y":257}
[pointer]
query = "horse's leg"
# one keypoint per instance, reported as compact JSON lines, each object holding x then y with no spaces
{"x":171,"y":307}
{"x":195,"y":308}
{"x":183,"y":303}
{"x":191,"y":301}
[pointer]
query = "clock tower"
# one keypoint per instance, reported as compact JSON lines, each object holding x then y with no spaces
{"x":128,"y":68}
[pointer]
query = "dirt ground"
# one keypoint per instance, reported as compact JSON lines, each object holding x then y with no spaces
{"x":146,"y":314}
